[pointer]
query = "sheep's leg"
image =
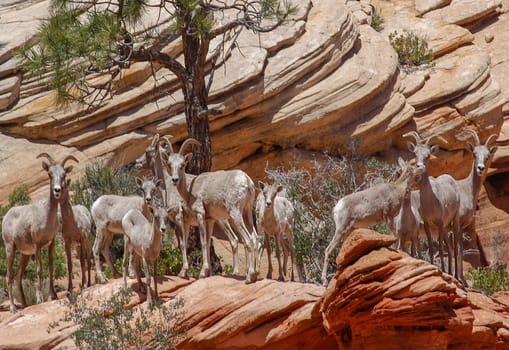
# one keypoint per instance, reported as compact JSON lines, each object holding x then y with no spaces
{"x":97,"y":249}
{"x":125,"y":260}
{"x":51,"y":249}
{"x":38,"y":260}
{"x":459,"y":260}
{"x":328,"y":251}
{"x":19,"y":278}
{"x":107,"y":256}
{"x":9,"y":252}
{"x":249,"y":238}
{"x":68,"y":253}
{"x":450,"y":249}
{"x":87,"y":260}
{"x":285,"y":249}
{"x":430,"y":243}
{"x":289,"y":235}
{"x":234,"y":243}
{"x":269,"y":260}
{"x":277,"y":238}
{"x":154,"y":266}
{"x":182,"y":229}
{"x":82,"y":265}
{"x":148,"y":286}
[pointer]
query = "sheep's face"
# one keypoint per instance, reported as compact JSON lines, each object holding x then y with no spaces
{"x":160,"y":214}
{"x":57,"y":175}
{"x":269,"y":193}
{"x":177,"y":166}
{"x":150,"y":188}
{"x":482,"y":154}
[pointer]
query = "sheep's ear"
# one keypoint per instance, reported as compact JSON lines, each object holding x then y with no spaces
{"x":261,"y":185}
{"x":165,"y":156}
{"x":279,"y":188}
{"x":158,"y":182}
{"x":434,"y":148}
{"x":68,"y":182}
{"x":470,"y":147}
{"x":188,"y":157}
{"x":68,"y":169}
{"x":493,"y":149}
{"x":139,"y":181}
{"x":411,"y":146}
{"x":45,"y":166}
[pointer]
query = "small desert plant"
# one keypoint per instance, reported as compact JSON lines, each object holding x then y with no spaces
{"x":377,"y":21}
{"x":110,"y":325}
{"x":412,"y":49}
{"x":314,"y":193}
{"x":488,"y":281}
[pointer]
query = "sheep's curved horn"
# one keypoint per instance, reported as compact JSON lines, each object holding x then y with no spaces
{"x":46,"y":155}
{"x":428,"y":141}
{"x":492,"y":136}
{"x":189,"y":141}
{"x":166,"y":139}
{"x":415,"y":135}
{"x":474,"y":135}
{"x":69,"y":157}
{"x":155,"y":140}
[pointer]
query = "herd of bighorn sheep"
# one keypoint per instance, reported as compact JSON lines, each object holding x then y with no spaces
{"x":413,"y":202}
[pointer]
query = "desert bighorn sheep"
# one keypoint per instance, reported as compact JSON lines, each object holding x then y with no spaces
{"x":275,"y":219}
{"x":470,"y":186}
{"x":76,"y":228}
{"x":439,"y":204}
{"x":178,"y":211}
{"x":29,"y":228}
{"x":368,"y":207}
{"x":108,"y":211}
{"x":214,"y":197}
{"x":143,"y":237}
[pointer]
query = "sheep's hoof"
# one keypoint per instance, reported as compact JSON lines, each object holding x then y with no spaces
{"x":269,"y":276}
{"x":183,"y":273}
{"x":281,"y":279}
{"x":13,"y":309}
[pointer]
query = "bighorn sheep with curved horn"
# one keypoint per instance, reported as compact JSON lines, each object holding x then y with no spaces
{"x":29,"y":228}
{"x":439,"y":203}
{"x":108,"y":211}
{"x":218,"y":196}
{"x":368,"y":207}
{"x":470,"y":186}
{"x":152,"y":158}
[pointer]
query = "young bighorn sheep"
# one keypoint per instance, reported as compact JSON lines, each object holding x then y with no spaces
{"x":29,"y":228}
{"x":214,"y":197}
{"x":407,"y":223}
{"x":275,"y":219}
{"x":108,"y":211}
{"x":143,"y":237}
{"x":178,"y":211}
{"x":439,"y":204}
{"x":368,"y":207}
{"x":77,"y":229}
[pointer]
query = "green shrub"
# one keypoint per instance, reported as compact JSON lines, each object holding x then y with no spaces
{"x":314,"y":193}
{"x":488,"y":281}
{"x":110,"y":325}
{"x":412,"y":50}
{"x":376,"y":21}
